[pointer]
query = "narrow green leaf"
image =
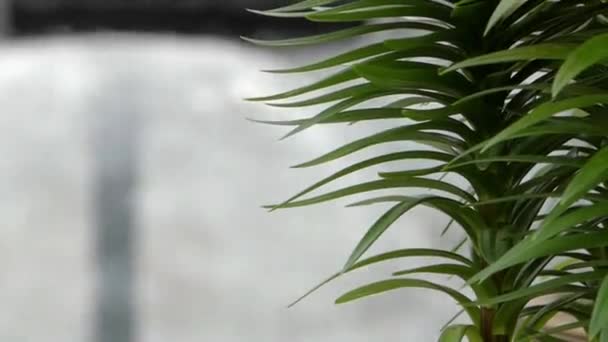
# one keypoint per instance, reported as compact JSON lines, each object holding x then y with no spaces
{"x":394,"y":284}
{"x":459,"y":245}
{"x":396,"y":77}
{"x":551,"y":228}
{"x":341,"y":59}
{"x":461,"y":271}
{"x":530,"y":249}
{"x":411,"y":101}
{"x":565,"y":126}
{"x":382,"y":199}
{"x":470,"y":220}
{"x":546,"y":312}
{"x":559,"y":329}
{"x":447,"y":227}
{"x":281,"y":14}
{"x":456,"y":333}
{"x":411,"y":252}
{"x":592,"y":173}
{"x":429,"y":155}
{"x":557,"y":285}
{"x":337,"y":108}
{"x":404,"y":133}
{"x":599,"y":318}
{"x":515,"y":198}
{"x":435,"y":50}
{"x":331,"y":96}
{"x":431,"y":114}
{"x":543,"y":112}
{"x":504,"y":9}
{"x":355,"y":115}
{"x":335,"y":79}
{"x":466,"y":153}
{"x":382,"y":51}
{"x":451,"y":320}
{"x":366,"y":5}
{"x":590,"y":176}
{"x":525,"y":53}
{"x":586,"y":264}
{"x":378,"y":228}
{"x":422,"y":10}
{"x":303,"y":5}
{"x":591,"y":52}
{"x":351,"y":32}
{"x":480,"y":94}
{"x":414,"y":172}
{"x":411,"y":42}
{"x":534,"y":159}
{"x":388,"y":256}
{"x":410,"y":182}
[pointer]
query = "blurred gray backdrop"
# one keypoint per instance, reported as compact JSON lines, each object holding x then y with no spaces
{"x":131,"y":191}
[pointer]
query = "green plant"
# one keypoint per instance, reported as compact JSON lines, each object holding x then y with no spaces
{"x":511,"y":97}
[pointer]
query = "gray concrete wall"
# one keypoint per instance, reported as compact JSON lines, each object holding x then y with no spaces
{"x":210,"y":265}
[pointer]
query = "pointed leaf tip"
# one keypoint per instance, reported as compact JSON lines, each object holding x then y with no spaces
{"x":599,"y":319}
{"x":504,"y":9}
{"x":586,"y":55}
{"x":247,"y":39}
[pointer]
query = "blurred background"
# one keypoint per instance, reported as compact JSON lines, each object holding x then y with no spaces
{"x":131,"y":184}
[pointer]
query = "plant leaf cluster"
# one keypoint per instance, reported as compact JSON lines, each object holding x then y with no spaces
{"x":510,"y":97}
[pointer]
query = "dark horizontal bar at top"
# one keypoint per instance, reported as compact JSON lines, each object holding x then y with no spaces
{"x":140,"y":4}
{"x":148,"y":19}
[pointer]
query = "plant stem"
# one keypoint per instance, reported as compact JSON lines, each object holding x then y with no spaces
{"x":487,"y":321}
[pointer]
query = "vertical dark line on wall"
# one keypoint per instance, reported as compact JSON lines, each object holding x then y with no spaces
{"x":115,"y":151}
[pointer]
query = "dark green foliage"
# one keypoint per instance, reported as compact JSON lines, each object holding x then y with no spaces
{"x":510,"y":95}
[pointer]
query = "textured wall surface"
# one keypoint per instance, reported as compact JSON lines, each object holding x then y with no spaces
{"x":210,"y":264}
